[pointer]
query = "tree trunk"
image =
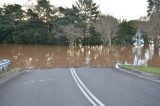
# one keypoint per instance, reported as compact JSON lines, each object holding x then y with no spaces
{"x":71,"y":43}
{"x":156,"y":44}
{"x":110,"y":41}
{"x":104,"y":42}
{"x":48,"y":27}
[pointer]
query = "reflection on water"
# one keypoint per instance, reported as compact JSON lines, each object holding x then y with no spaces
{"x":140,"y":60}
{"x":48,"y":56}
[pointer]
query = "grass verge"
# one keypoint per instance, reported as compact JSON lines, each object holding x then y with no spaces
{"x":4,"y":73}
{"x":152,"y":70}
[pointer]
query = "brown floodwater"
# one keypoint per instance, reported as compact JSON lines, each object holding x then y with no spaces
{"x":49,"y":56}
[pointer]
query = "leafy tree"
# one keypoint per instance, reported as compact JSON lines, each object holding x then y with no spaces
{"x":94,"y":39}
{"x":11,"y":19}
{"x":126,"y":31}
{"x":14,"y":14}
{"x":32,"y":32}
{"x":45,"y":11}
{"x":70,"y":16}
{"x":31,"y":15}
{"x":43,"y":23}
{"x":88,"y":12}
{"x":153,"y":5}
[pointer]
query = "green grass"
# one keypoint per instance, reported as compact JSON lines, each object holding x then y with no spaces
{"x":151,"y":70}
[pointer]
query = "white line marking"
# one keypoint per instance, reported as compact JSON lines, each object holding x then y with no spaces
{"x":129,"y":72}
{"x":85,"y":94}
{"x":86,"y":89}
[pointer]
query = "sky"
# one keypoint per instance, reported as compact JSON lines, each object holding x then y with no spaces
{"x":121,"y":9}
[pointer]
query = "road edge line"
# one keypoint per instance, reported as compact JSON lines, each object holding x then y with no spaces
{"x":13,"y":75}
{"x":140,"y":76}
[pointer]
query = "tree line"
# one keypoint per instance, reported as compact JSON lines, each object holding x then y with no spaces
{"x":83,"y":23}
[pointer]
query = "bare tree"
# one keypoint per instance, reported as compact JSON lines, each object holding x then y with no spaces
{"x":107,"y":26}
{"x":155,"y":25}
{"x":71,"y":32}
{"x":152,"y":28}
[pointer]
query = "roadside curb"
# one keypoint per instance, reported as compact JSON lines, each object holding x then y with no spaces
{"x":9,"y":76}
{"x":143,"y":75}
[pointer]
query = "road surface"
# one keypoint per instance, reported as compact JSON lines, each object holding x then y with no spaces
{"x":79,"y":87}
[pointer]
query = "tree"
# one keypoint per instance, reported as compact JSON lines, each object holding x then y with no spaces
{"x":41,"y":22}
{"x":31,"y":15}
{"x":153,"y":5}
{"x":70,"y":16}
{"x":14,"y":14}
{"x":11,"y":19}
{"x":153,"y":28}
{"x":88,"y":12}
{"x":71,"y":32}
{"x":107,"y":26}
{"x":154,"y":22}
{"x":125,"y":33}
{"x":93,"y":39}
{"x":45,"y":11}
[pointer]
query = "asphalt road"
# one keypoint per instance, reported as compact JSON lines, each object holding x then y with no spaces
{"x":79,"y":87}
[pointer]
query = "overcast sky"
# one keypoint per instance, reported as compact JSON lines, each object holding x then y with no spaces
{"x":122,"y":9}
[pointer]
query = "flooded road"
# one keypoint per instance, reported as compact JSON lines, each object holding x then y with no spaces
{"x":49,"y":56}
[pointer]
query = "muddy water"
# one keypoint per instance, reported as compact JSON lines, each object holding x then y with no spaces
{"x":49,"y":56}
